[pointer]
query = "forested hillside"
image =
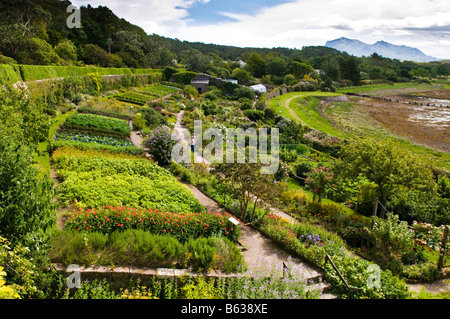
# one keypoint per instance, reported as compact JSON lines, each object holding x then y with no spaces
{"x":35,"y":32}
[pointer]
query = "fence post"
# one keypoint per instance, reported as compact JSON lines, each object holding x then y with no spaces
{"x":375,"y":207}
{"x":443,"y":248}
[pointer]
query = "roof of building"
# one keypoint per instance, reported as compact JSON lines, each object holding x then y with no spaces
{"x":259,"y":88}
{"x":200,"y":81}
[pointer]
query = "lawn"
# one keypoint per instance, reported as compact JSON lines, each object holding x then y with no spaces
{"x":42,"y":157}
{"x":302,"y":107}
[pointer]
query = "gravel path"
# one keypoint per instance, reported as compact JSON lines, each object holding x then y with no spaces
{"x":260,"y":253}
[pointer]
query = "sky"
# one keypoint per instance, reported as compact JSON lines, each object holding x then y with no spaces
{"x":423,"y":24}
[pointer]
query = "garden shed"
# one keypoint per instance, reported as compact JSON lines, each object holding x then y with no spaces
{"x":201,"y":83}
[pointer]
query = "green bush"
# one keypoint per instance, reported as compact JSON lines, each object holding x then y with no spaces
{"x":357,"y":271}
{"x":254,"y":115}
{"x":160,"y":144}
{"x":392,"y":235}
{"x":358,"y":237}
{"x":423,"y":272}
{"x":184,"y":77}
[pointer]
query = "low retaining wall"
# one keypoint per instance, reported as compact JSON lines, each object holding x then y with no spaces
{"x":120,"y":277}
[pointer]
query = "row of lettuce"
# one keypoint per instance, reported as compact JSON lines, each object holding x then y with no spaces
{"x":13,"y":73}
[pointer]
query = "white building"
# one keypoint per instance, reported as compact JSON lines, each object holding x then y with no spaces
{"x":259,"y":88}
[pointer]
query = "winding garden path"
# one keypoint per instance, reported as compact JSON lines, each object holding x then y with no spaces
{"x":260,"y":253}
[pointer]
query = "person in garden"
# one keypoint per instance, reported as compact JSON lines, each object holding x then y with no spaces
{"x":193,"y":142}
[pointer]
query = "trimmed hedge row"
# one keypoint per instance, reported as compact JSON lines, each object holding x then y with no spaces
{"x":10,"y":74}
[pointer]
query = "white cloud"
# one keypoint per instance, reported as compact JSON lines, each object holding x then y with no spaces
{"x":300,"y":23}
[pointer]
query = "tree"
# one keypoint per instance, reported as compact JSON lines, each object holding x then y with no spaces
{"x":299,"y":70}
{"x":37,"y":51}
{"x":244,"y":77}
{"x":318,"y":180}
{"x":330,"y":67}
{"x":244,"y":93}
{"x":350,"y":70}
{"x":385,"y":164}
{"x":276,"y":66}
{"x":392,"y":235}
{"x":256,"y":65}
{"x":196,"y":61}
{"x":248,"y":184}
{"x":66,"y":50}
{"x":20,"y":20}
{"x":290,"y":79}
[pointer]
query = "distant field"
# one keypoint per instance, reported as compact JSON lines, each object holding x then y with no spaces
{"x":378,"y":119}
{"x":302,"y":107}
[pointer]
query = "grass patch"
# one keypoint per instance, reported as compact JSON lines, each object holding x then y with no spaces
{"x":42,"y":156}
{"x":302,"y":107}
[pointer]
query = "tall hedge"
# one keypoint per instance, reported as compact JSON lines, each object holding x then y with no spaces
{"x":9,"y":74}
{"x":40,"y":72}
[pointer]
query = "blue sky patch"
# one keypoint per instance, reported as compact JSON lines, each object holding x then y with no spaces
{"x":208,"y":13}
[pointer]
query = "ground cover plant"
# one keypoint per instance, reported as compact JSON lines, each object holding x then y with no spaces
{"x":143,"y":248}
{"x":272,"y":284}
{"x":132,"y":98}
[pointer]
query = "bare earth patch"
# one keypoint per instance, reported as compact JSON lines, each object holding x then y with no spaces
{"x":425,"y":125}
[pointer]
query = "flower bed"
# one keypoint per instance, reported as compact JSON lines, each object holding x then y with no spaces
{"x":182,"y":226}
{"x":313,"y":243}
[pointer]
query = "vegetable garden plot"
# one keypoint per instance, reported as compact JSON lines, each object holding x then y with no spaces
{"x":97,"y":124}
{"x":93,"y":179}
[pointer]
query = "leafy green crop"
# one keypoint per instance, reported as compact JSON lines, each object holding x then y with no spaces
{"x":98,"y":124}
{"x":100,"y":178}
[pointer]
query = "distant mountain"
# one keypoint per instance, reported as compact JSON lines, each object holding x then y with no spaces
{"x":385,"y":49}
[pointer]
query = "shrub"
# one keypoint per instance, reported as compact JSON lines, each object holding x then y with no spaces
{"x":160,"y":144}
{"x":358,"y":237}
{"x":423,"y":272}
{"x":184,"y":77}
{"x":254,"y":115}
{"x":391,"y":287}
{"x":392,"y":235}
{"x":302,"y":169}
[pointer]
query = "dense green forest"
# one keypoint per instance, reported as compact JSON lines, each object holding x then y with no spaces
{"x":35,"y":32}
